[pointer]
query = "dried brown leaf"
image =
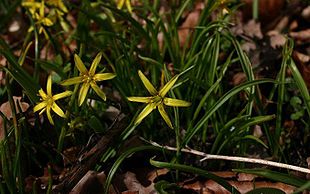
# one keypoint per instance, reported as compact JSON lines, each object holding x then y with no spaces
{"x":253,"y":29}
{"x":303,"y":35}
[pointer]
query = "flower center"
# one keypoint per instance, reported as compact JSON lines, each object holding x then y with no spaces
{"x":50,"y":100}
{"x":157,"y":99}
{"x":88,"y":78}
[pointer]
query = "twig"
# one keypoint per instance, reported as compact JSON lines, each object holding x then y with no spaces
{"x":234,"y":158}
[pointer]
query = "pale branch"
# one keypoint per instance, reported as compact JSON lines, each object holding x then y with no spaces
{"x":234,"y":158}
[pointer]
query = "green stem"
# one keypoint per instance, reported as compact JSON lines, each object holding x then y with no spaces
{"x":255,"y":9}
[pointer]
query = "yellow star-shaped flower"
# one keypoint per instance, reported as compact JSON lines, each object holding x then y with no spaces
{"x":120,"y":4}
{"x":88,"y":78}
{"x":157,"y":100}
{"x":58,"y":4}
{"x":48,"y":101}
{"x":31,"y":5}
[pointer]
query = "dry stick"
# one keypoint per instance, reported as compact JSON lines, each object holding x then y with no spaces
{"x":234,"y":158}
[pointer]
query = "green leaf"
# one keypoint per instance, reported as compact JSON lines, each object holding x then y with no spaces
{"x":275,"y":176}
{"x":164,"y":187}
{"x":266,"y":191}
{"x":19,"y":74}
{"x":219,"y":103}
{"x":194,"y":170}
{"x":119,"y":161}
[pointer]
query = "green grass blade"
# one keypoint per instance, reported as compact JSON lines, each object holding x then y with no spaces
{"x":119,"y":161}
{"x":181,"y":10}
{"x":240,"y":130}
{"x":303,"y":188}
{"x":275,"y":176}
{"x":19,"y":74}
{"x":194,"y":170}
{"x":219,"y":103}
{"x":300,"y":84}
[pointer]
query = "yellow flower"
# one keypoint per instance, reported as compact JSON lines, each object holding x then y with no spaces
{"x":121,"y":3}
{"x":48,"y":101}
{"x":42,"y":20}
{"x":58,"y":4}
{"x":88,"y":78}
{"x":31,"y":5}
{"x":157,"y":100}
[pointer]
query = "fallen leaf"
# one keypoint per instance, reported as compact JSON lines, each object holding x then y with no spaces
{"x":92,"y":183}
{"x":276,"y":39}
{"x":303,"y":35}
{"x":6,"y":109}
{"x":133,"y":185}
{"x":303,"y":64}
{"x":238,"y":78}
{"x":253,"y":29}
{"x":306,"y":13}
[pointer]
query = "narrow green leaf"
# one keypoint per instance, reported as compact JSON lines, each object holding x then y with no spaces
{"x":194,"y":170}
{"x":273,"y":175}
{"x":119,"y":161}
{"x":219,"y":103}
{"x":19,"y":74}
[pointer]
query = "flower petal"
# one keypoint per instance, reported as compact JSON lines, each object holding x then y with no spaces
{"x":47,"y":22}
{"x":176,"y":102}
{"x":98,"y":91}
{"x":140,"y":99}
{"x":120,"y":4}
{"x":94,"y":64}
{"x":168,"y":86}
{"x":49,"y":116}
{"x":49,"y":86}
{"x":42,"y":94}
{"x":164,"y":114}
{"x":62,"y":95}
{"x":71,"y":81}
{"x":42,"y":111}
{"x":104,"y":76}
{"x":41,"y":11}
{"x":58,"y":110}
{"x":83,"y":93}
{"x":39,"y":106}
{"x":147,"y":83}
{"x":79,"y":64}
{"x":146,"y":111}
{"x":128,"y":5}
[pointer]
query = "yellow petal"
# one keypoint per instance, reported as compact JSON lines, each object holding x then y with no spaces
{"x":58,"y":110}
{"x":120,"y":4}
{"x":98,"y":91}
{"x":42,"y":9}
{"x":83,"y":93}
{"x":39,"y":106}
{"x":47,"y":22}
{"x":70,"y":81}
{"x":104,"y":76}
{"x":49,"y":116}
{"x":176,"y":102}
{"x":164,"y":114}
{"x":62,"y":95}
{"x":63,"y":7}
{"x":94,"y":64}
{"x":128,"y":5}
{"x":79,"y":64}
{"x":42,"y":94}
{"x":168,"y":86}
{"x":147,"y":83}
{"x":31,"y":28}
{"x":146,"y":111}
{"x":140,"y":99}
{"x":42,"y":111}
{"x":49,"y":85}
